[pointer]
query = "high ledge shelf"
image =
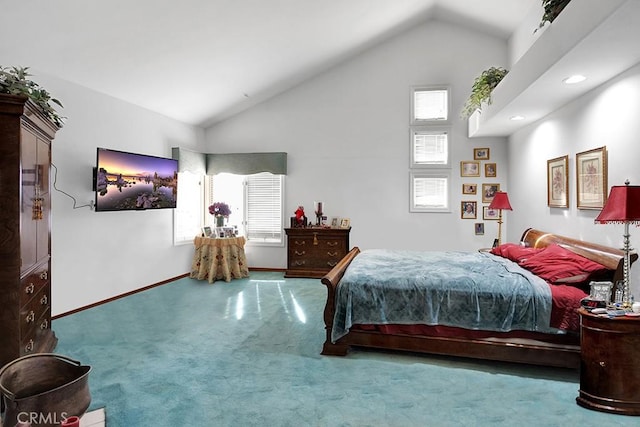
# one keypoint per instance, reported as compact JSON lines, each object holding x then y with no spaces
{"x":595,"y":38}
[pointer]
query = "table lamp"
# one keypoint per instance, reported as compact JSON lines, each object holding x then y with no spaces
{"x":622,"y":207}
{"x":500,"y":201}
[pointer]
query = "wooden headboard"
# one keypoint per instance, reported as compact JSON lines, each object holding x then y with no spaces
{"x":609,"y":257}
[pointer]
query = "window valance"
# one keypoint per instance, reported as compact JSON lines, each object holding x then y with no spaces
{"x":190,"y":161}
{"x":236,"y":163}
{"x":247,"y":163}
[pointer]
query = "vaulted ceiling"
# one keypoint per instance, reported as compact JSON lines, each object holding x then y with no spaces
{"x":200,"y":61}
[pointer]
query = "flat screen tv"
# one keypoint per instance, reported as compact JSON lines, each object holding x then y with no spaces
{"x":130,"y":181}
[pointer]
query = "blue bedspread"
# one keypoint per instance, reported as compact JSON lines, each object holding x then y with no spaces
{"x":470,"y":290}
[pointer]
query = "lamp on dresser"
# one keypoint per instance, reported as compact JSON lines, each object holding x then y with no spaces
{"x":500,"y":201}
{"x":623,"y":207}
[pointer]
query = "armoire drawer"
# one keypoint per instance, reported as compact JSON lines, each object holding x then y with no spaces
{"x":33,"y":283}
{"x":34,"y":308}
{"x":31,"y":339}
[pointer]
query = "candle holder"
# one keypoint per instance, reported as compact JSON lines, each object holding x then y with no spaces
{"x":319,"y":206}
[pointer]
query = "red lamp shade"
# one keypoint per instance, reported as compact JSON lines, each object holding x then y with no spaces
{"x":623,"y":205}
{"x":500,"y":201}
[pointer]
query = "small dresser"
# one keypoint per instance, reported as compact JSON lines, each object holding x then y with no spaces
{"x":314,"y":251}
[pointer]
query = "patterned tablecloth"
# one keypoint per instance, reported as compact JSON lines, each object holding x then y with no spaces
{"x":219,"y":259}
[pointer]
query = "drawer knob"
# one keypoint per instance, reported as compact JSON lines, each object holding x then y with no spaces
{"x":333,"y":243}
{"x":300,"y":243}
{"x":30,"y":288}
{"x":332,"y":263}
{"x":44,"y":300}
{"x":603,"y":364}
{"x":299,"y":263}
{"x":299,"y":253}
{"x":315,"y":239}
{"x":29,"y":347}
{"x":30,"y":317}
{"x":44,"y":275}
{"x":332,"y":253}
{"x":44,"y":324}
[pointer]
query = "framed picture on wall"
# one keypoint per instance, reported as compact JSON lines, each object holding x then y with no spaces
{"x":480,"y":154}
{"x":490,"y":214}
{"x":558,"y":182}
{"x":591,"y":178}
{"x":490,"y":170}
{"x":468,"y":209}
{"x":479,"y":228}
{"x":469,"y":188}
{"x":488,"y":191}
{"x":469,"y":168}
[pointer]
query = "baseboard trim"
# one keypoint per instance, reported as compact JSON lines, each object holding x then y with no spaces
{"x":126,"y":294}
{"x":281,"y":270}
{"x":117,"y":297}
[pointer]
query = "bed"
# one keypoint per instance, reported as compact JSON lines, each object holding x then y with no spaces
{"x":525,"y":312}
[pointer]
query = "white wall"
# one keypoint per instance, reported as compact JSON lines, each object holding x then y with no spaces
{"x":526,"y":34}
{"x":346,"y":133}
{"x":98,"y":255}
{"x":606,"y":116}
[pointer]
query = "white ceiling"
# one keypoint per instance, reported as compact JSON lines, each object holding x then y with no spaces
{"x":200,"y":61}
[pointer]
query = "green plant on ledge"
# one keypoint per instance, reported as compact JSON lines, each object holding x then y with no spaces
{"x":481,"y":90}
{"x":552,"y":9}
{"x":15,"y":81}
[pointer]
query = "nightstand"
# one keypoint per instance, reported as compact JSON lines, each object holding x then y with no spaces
{"x":609,"y":363}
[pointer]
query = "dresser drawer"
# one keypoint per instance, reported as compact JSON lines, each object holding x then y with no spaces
{"x":332,"y":247}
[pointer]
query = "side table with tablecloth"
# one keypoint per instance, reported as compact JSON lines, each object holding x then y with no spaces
{"x":219,"y":259}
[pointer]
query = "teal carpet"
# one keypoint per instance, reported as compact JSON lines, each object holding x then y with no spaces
{"x":247,"y":353}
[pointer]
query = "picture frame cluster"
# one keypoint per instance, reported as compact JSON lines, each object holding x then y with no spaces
{"x":480,"y":166}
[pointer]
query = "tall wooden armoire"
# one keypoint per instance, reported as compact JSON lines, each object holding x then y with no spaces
{"x":25,"y":225}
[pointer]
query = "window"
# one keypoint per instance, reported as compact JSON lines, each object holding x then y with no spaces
{"x":189,"y":213}
{"x":263,"y":219}
{"x":429,"y":192}
{"x":429,"y":104}
{"x":429,"y":147}
{"x":256,"y":203}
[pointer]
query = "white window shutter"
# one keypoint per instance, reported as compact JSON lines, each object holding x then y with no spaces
{"x":264,"y":208}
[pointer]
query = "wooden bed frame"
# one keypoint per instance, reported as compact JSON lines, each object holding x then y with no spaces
{"x":511,"y":350}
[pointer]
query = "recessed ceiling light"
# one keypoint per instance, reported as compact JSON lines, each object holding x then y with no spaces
{"x":576,"y":78}
{"x":516,"y":118}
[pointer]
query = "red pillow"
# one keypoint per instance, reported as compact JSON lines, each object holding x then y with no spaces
{"x":514,"y":252}
{"x":555,"y":263}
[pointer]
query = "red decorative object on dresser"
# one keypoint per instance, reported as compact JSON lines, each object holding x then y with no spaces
{"x":25,"y":262}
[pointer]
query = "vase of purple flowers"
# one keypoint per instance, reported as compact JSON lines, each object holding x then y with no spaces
{"x":220,"y":211}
